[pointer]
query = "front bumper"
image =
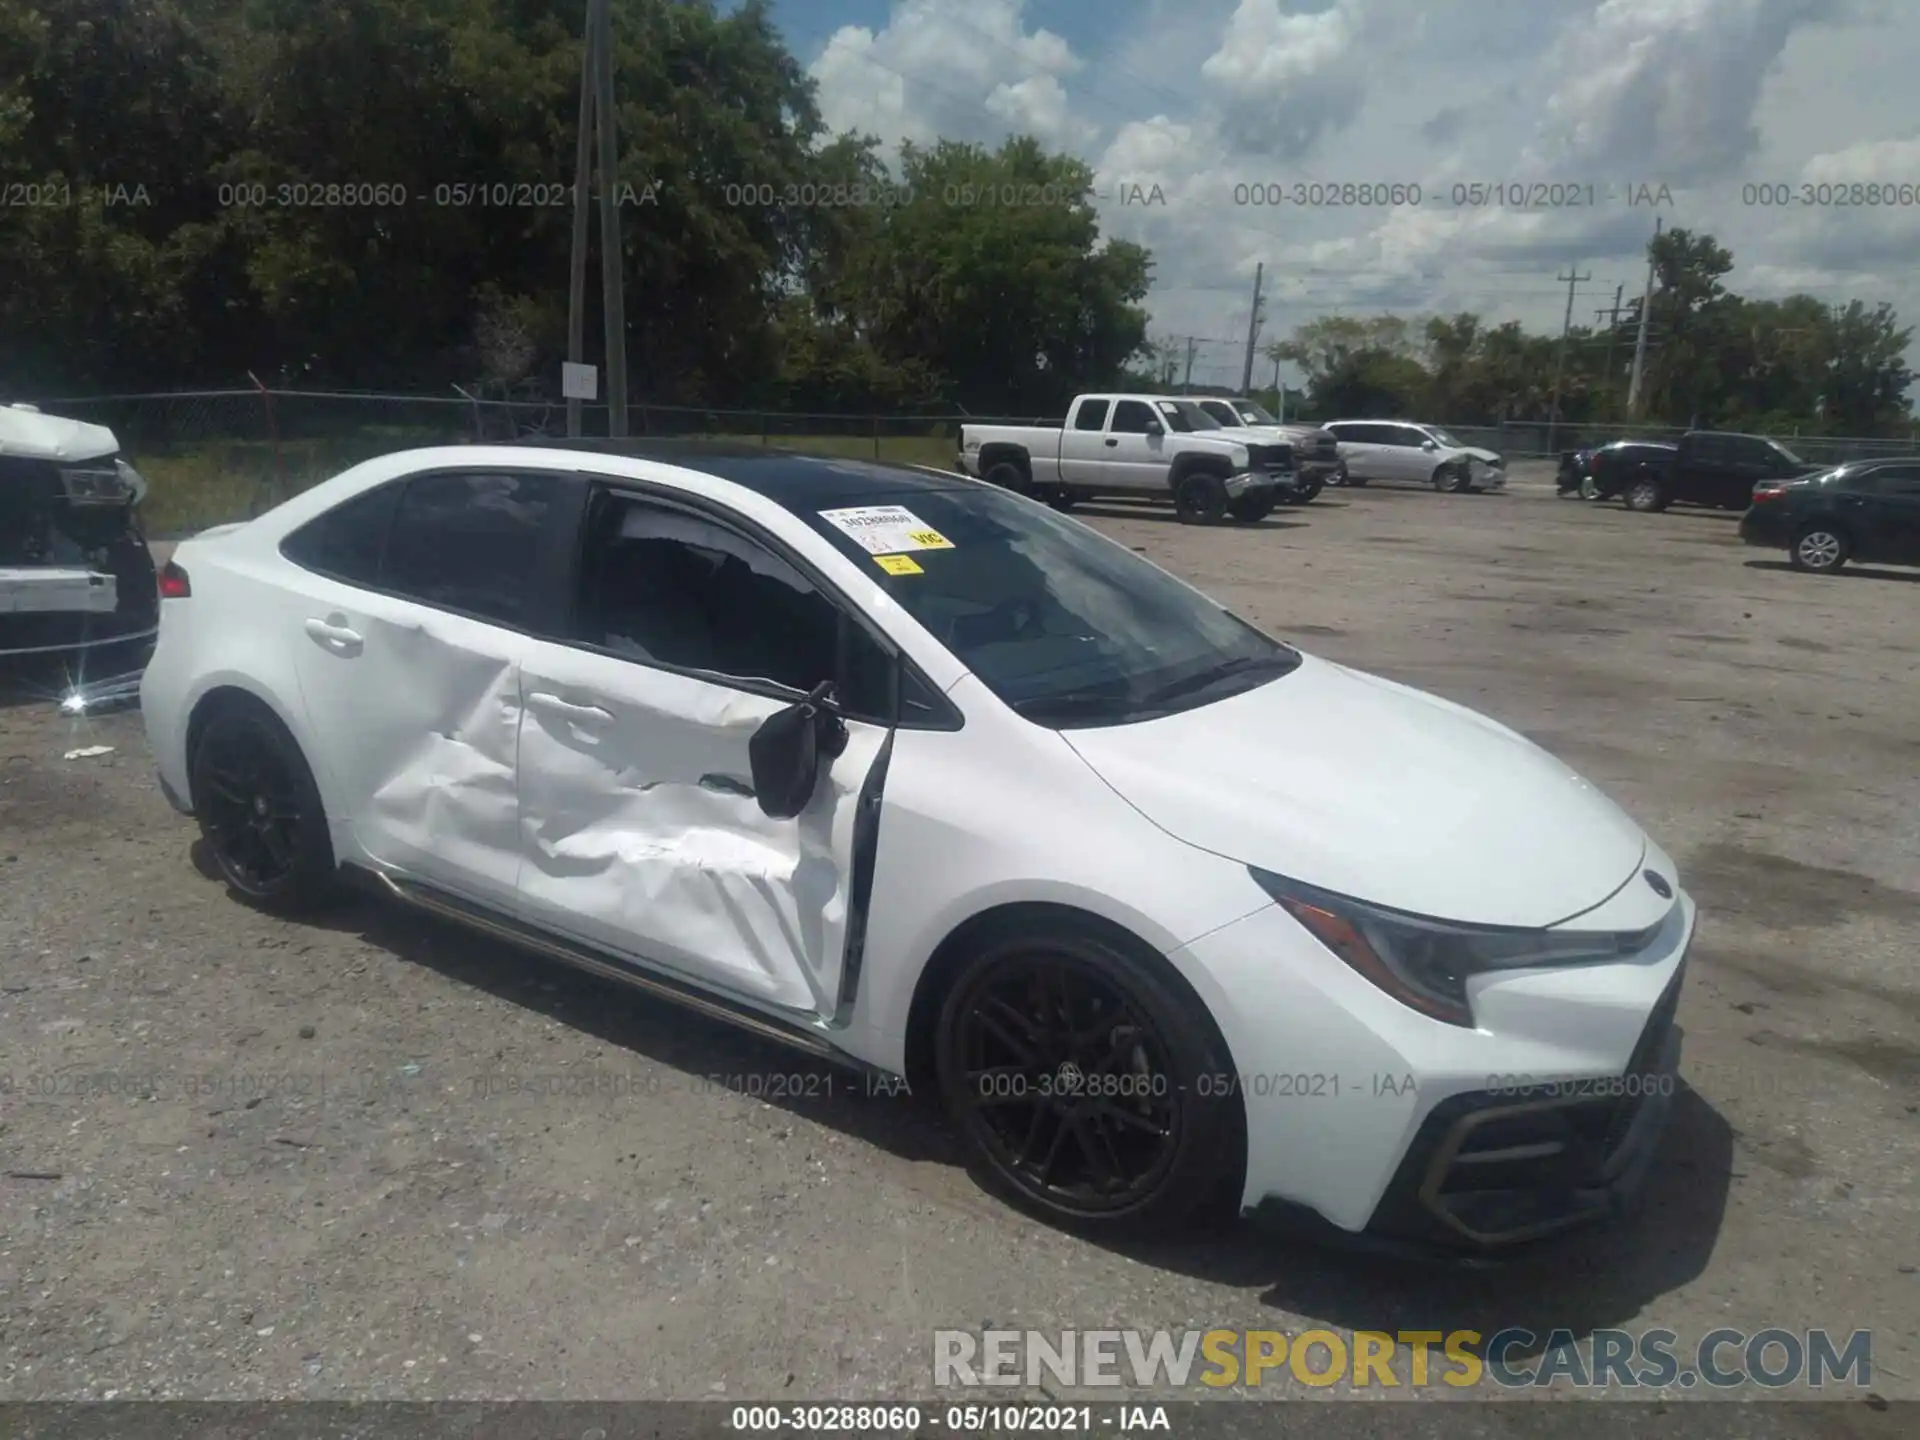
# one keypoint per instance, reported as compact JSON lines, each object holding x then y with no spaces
{"x":1493,"y":1169}
{"x":1487,"y":477}
{"x":1247,"y":481}
{"x":1384,"y":1127}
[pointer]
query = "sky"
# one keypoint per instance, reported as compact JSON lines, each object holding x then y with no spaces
{"x":1592,"y":106}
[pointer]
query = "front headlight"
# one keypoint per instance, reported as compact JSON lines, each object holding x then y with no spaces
{"x":1240,"y":457}
{"x":1425,"y":964}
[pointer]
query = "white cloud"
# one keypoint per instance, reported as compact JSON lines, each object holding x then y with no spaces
{"x":1198,"y":97}
{"x":1285,"y":78}
{"x":1667,"y":84}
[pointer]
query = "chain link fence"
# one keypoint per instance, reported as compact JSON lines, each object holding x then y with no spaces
{"x":221,"y":455}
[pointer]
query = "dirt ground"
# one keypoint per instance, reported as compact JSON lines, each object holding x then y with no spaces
{"x":379,"y":1157}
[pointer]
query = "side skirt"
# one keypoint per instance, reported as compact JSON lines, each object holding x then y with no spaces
{"x":794,"y":1034}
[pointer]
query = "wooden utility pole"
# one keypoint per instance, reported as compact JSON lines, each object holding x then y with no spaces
{"x":582,"y":188}
{"x":1253,"y":329}
{"x":1572,"y":279}
{"x":1640,"y":344}
{"x":597,"y":114}
{"x":1613,"y":329}
{"x":613,"y":293}
{"x":1186,"y":381}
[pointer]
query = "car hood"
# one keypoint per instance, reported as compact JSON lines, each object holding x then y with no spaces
{"x":1368,"y":788}
{"x":28,"y":435}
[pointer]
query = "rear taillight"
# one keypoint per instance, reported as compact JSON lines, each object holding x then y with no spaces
{"x":174,"y":584}
{"x":1768,"y":492}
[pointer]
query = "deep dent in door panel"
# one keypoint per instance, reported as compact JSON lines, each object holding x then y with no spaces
{"x":452,"y":785}
{"x":697,"y":868}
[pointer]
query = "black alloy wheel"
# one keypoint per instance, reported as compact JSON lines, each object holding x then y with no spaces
{"x":259,"y":810}
{"x":1079,"y":1080}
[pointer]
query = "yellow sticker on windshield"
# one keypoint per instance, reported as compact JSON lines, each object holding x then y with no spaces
{"x":898,"y":564}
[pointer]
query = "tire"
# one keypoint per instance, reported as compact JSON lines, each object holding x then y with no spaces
{"x":1819,"y":549}
{"x":1308,"y":491}
{"x":1008,"y":476}
{"x":1251,"y":509}
{"x":1200,"y":498}
{"x":260,"y":812}
{"x":1589,"y":488}
{"x":1449,"y":479}
{"x":1645,"y":495}
{"x":1003,"y":1037}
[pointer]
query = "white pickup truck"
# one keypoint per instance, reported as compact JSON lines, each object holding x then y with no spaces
{"x":1135,"y":445}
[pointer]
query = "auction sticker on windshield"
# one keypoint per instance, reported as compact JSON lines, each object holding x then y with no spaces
{"x":886,"y":529}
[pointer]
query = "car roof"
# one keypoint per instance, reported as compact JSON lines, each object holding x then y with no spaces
{"x":794,"y":480}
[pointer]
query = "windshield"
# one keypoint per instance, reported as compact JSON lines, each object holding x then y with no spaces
{"x":1184,"y":417}
{"x":1252,"y":414}
{"x":1444,"y":438}
{"x":1219,"y":410}
{"x":1067,"y":627}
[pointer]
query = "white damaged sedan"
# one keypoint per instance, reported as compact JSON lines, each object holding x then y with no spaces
{"x":923,"y":777}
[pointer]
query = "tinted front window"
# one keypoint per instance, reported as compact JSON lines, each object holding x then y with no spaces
{"x":1131,"y":417}
{"x":1064,"y":625}
{"x":470,"y":542}
{"x":1220,"y":410}
{"x":348,"y":541}
{"x":668,"y":587}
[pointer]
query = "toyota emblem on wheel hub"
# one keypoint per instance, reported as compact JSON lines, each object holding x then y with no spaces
{"x":1659,"y":884}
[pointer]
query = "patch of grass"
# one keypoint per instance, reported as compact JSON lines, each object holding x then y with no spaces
{"x":196,"y":486}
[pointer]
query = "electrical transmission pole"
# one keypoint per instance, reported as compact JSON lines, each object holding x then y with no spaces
{"x":1253,"y":329}
{"x":1572,"y":279}
{"x":582,"y":183}
{"x":1640,"y":344}
{"x":1186,"y":381}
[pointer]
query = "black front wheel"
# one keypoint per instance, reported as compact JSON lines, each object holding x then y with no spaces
{"x":1086,"y":1086}
{"x":1646,"y":495}
{"x":260,"y":811}
{"x":1201,"y":499}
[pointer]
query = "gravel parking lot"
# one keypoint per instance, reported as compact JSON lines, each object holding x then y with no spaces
{"x":379,"y":1157}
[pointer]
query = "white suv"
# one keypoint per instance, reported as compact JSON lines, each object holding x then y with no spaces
{"x":1425,"y":454}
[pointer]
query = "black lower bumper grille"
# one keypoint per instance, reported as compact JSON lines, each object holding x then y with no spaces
{"x":1491,"y":1169}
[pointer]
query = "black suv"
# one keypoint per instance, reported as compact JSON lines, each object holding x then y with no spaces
{"x":1864,"y":510}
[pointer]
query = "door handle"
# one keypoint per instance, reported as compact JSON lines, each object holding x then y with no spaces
{"x":1112,"y":442}
{"x":335,"y":637}
{"x":566,"y":709}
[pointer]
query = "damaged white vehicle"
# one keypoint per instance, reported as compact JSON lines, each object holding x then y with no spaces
{"x":916,"y":774}
{"x":75,"y":574}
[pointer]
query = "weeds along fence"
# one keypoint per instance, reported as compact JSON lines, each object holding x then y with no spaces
{"x":219,"y":455}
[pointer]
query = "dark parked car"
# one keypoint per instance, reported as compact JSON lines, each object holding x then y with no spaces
{"x":1866,"y":510}
{"x":1706,"y":467}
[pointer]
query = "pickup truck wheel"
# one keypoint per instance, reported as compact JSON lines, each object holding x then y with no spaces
{"x":1251,"y":509}
{"x":1646,"y":495}
{"x":1200,"y":499}
{"x":1009,"y":476}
